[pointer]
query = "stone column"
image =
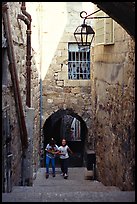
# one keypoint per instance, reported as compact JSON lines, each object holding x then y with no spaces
{"x":28,"y":158}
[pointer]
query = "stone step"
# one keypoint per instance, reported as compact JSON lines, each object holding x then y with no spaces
{"x":76,"y":178}
{"x":76,"y":189}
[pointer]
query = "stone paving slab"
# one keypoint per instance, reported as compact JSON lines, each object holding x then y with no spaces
{"x":73,"y":189}
{"x":79,"y":196}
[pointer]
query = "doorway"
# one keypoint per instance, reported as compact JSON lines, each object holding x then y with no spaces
{"x":69,"y":125}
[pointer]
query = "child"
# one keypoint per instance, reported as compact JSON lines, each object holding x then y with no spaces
{"x":63,"y":152}
{"x":51,"y":151}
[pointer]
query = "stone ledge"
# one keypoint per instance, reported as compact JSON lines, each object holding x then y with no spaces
{"x":89,"y":174}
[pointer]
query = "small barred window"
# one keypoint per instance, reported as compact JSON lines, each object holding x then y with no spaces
{"x":78,"y":62}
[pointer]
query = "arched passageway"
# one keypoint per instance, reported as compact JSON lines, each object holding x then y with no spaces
{"x":69,"y":125}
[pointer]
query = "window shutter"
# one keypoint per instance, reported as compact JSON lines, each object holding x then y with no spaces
{"x":99,"y":27}
{"x":108,"y":31}
{"x":104,"y":29}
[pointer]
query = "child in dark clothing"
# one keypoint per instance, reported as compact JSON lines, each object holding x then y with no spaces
{"x":51,"y":151}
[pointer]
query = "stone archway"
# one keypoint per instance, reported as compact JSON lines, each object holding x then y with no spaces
{"x":57,"y":126}
{"x":121,"y":12}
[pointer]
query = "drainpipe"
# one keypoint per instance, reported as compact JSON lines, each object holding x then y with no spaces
{"x":27,"y":20}
{"x":14,"y":77}
{"x":26,"y":17}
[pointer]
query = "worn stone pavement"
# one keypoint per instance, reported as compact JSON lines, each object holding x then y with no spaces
{"x":73,"y":189}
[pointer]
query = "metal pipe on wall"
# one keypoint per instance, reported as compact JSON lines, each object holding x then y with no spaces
{"x":26,"y":17}
{"x":14,"y":77}
{"x":27,"y":20}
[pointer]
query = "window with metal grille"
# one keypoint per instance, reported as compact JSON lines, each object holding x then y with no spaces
{"x":78,"y":62}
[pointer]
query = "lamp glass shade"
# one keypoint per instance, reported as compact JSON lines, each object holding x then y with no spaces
{"x":84,"y":35}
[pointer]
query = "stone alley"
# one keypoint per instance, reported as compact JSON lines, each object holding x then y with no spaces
{"x":62,"y":79}
{"x":74,"y":189}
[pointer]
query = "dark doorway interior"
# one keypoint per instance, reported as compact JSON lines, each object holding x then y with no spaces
{"x":66,"y":123}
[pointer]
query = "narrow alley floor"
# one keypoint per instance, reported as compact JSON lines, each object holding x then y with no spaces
{"x":73,"y":189}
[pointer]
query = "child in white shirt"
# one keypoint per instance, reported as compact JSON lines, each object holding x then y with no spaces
{"x":63,"y":152}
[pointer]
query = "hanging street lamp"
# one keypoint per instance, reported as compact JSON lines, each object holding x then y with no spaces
{"x":84,"y":33}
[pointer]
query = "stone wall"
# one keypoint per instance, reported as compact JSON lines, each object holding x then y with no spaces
{"x":113,"y":94}
{"x":58,"y":91}
{"x":35,"y":87}
{"x":18,"y":29}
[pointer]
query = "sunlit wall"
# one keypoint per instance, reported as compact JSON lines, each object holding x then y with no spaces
{"x":48,"y":22}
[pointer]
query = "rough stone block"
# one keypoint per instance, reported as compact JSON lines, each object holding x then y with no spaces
{"x":89,"y":174}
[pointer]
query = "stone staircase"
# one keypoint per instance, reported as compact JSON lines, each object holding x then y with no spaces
{"x":73,"y":189}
